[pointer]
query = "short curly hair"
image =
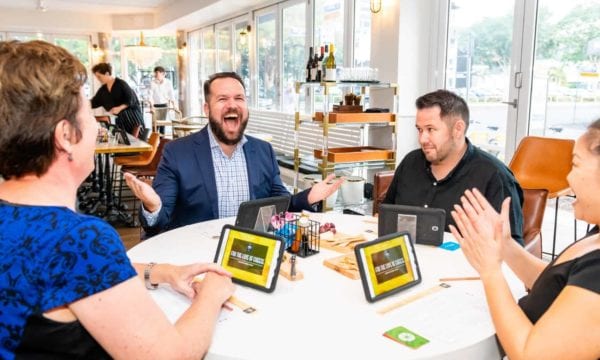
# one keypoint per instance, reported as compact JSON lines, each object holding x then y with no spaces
{"x":40,"y":85}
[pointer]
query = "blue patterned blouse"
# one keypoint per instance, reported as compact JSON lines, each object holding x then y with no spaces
{"x":49,"y":257}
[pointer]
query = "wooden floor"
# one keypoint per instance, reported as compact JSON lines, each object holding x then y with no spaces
{"x":129,"y":235}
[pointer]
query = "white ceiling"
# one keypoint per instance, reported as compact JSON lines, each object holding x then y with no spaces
{"x":93,"y":6}
{"x":168,"y":15}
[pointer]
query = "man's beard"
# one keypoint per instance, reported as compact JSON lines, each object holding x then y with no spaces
{"x":218,"y":131}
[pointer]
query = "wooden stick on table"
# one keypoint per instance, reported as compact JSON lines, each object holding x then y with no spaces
{"x":409,"y":299}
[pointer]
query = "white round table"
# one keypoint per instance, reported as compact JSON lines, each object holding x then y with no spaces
{"x":325,"y":315}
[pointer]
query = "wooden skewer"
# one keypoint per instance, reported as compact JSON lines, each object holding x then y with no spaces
{"x":463,"y":278}
{"x":412,"y":298}
{"x":242,"y":305}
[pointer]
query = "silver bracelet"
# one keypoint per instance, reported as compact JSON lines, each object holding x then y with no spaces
{"x":149,"y":285}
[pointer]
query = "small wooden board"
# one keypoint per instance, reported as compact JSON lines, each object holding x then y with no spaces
{"x":355,"y":153}
{"x":342,"y":243}
{"x":357,"y":117}
{"x":345,"y":265}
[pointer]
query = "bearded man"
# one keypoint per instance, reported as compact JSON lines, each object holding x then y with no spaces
{"x":447,"y":164}
{"x":207,"y":175}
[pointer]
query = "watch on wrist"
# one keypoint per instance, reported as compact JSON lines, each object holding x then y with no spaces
{"x":149,"y":285}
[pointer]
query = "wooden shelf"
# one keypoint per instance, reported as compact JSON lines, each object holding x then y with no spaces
{"x":354,"y":154}
{"x":357,"y":117}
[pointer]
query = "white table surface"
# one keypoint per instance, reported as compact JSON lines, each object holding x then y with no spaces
{"x":325,"y":315}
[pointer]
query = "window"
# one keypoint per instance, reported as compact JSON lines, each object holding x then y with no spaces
{"x":224,"y":54}
{"x":566,"y":72}
{"x":329,"y":26}
{"x":362,"y":33}
{"x":242,"y":54}
{"x":266,"y":59}
{"x":478,"y":67}
{"x":294,"y":59}
{"x":195,"y":83}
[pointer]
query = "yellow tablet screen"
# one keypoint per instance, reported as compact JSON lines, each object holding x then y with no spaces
{"x":248,"y":257}
{"x":389,"y":265}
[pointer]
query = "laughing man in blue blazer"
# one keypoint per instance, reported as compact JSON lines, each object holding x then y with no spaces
{"x":207,"y":175}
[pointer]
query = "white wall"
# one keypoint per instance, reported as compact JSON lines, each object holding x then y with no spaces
{"x":403,"y":47}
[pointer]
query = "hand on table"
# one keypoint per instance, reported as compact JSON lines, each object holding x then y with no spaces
{"x":144,"y":192}
{"x":215,"y":284}
{"x":323,"y":189}
{"x":181,"y":277}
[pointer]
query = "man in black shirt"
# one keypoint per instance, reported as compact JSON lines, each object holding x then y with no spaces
{"x":437,"y":174}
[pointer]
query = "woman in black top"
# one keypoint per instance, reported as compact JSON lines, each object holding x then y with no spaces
{"x":116,"y":97}
{"x":560,"y":317}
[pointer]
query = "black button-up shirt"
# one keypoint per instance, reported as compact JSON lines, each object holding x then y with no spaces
{"x":414,"y":184}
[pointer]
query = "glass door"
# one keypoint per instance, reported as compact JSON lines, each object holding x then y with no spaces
{"x":478,"y":66}
{"x":565,"y":91}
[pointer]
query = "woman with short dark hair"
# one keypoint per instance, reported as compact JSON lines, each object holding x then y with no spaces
{"x":117,"y":97}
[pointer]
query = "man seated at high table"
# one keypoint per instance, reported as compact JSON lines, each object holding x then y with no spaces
{"x":447,"y":164}
{"x":207,"y":175}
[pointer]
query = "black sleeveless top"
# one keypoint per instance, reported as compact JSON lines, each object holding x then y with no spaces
{"x":44,"y":338}
{"x":583,"y":272}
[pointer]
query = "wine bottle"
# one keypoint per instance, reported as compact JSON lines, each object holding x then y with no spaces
{"x":320,"y":65}
{"x":314,"y":71}
{"x":309,"y":65}
{"x":330,"y":65}
{"x":326,"y":56}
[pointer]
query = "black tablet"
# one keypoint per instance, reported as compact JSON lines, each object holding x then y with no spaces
{"x":252,"y":257}
{"x":387,"y":265}
{"x":257,"y":214}
{"x":425,"y":225}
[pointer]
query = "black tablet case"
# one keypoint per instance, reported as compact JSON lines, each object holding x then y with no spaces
{"x":279,"y":256}
{"x":249,"y":210}
{"x":363,"y":271}
{"x":430,"y":222}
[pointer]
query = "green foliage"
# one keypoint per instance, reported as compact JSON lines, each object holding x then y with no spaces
{"x":574,"y":31}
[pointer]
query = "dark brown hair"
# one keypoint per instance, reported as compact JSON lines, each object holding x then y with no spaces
{"x":592,"y":137}
{"x":102,"y":68}
{"x":449,"y":103}
{"x":40,"y":85}
{"x":159,"y":69}
{"x":220,"y":75}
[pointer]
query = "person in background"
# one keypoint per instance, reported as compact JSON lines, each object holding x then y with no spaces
{"x":560,"y":317}
{"x":116,"y":97}
{"x":447,"y":164}
{"x":208,"y":174}
{"x":67,"y":288}
{"x":162,"y":95}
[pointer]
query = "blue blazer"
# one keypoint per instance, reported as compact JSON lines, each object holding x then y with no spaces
{"x":185,"y":181}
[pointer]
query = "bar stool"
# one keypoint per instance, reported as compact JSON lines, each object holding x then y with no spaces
{"x":544,"y":163}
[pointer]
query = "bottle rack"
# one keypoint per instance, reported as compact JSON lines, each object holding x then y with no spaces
{"x":309,"y":243}
{"x":331,"y":159}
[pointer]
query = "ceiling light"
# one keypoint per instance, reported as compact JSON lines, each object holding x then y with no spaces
{"x":375,"y":6}
{"x":144,"y":56}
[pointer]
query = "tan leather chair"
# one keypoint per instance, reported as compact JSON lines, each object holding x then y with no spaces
{"x":534,"y":206}
{"x":544,"y":163}
{"x":145,"y":173}
{"x":381,"y":183}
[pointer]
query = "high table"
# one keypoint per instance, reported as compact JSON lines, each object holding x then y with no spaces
{"x":325,"y":315}
{"x":104,"y":181}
